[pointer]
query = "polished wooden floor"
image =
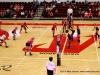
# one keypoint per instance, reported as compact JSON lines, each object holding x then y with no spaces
{"x":87,"y":60}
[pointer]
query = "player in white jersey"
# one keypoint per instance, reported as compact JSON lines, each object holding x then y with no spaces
{"x":2,"y":39}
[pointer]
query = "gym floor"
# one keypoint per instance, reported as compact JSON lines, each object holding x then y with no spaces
{"x":86,"y":62}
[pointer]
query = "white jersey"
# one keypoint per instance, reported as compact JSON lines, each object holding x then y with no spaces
{"x":69,"y":11}
{"x":3,"y":37}
{"x":50,"y":65}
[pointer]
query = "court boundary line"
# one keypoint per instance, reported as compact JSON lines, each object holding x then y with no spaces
{"x":33,"y":45}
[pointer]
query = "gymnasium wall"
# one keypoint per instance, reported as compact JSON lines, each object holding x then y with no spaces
{"x":39,"y":0}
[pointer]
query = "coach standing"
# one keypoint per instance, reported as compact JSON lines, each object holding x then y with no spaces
{"x":50,"y":66}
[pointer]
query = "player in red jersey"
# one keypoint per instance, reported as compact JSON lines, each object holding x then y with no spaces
{"x":29,"y":45}
{"x":2,"y":39}
{"x":53,"y":28}
{"x":64,"y":22}
{"x":23,"y":26}
{"x":14,"y":32}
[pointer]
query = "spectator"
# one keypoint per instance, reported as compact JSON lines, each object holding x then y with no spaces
{"x":48,"y":8}
{"x":86,"y":2}
{"x":32,"y":14}
{"x":15,"y":7}
{"x":13,"y":15}
{"x":22,"y":14}
{"x":90,"y":14}
{"x":44,"y":2}
{"x":21,"y":7}
{"x":45,"y":13}
{"x":67,"y":2}
{"x":92,"y":4}
{"x":98,"y":3}
{"x":51,"y":14}
{"x":1,"y":13}
{"x":53,"y":6}
{"x":82,"y":13}
{"x":4,"y":12}
{"x":98,"y":8}
{"x":37,"y":3}
{"x":99,"y":14}
{"x":64,"y":4}
{"x":35,"y":6}
{"x":55,"y":1}
{"x":93,"y":9}
{"x":11,"y":6}
{"x":33,"y":2}
{"x":79,"y":11}
{"x":45,"y":6}
{"x":89,"y":9}
{"x":58,"y":2}
{"x":7,"y":13}
{"x":56,"y":13}
{"x":86,"y":14}
{"x":26,"y":13}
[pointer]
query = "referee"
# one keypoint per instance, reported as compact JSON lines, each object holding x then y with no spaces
{"x":69,"y":16}
{"x":70,"y":11}
{"x":50,"y":66}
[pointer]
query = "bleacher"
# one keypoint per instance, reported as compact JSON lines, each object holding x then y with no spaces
{"x":82,"y":6}
{"x":78,"y":8}
{"x":28,"y":7}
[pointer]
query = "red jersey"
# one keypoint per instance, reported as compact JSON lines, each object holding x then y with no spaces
{"x":53,"y":27}
{"x":56,"y":11}
{"x":23,"y":25}
{"x":63,"y":22}
{"x":90,"y":14}
{"x":14,"y":30}
{"x":98,"y":13}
